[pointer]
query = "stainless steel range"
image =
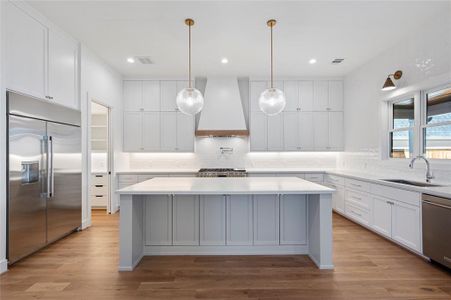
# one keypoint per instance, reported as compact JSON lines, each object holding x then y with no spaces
{"x":221,"y":172}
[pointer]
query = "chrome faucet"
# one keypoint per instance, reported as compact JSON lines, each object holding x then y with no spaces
{"x":429,"y":175}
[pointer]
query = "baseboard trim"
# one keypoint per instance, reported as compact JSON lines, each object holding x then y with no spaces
{"x":3,"y":266}
{"x":320,"y":266}
{"x":85,"y":224}
{"x":132,"y":267}
{"x":226,"y":250}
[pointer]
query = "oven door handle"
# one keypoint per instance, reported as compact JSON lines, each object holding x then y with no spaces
{"x":438,"y":205}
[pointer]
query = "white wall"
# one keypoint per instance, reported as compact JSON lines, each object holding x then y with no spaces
{"x":101,"y":83}
{"x":425,"y":58}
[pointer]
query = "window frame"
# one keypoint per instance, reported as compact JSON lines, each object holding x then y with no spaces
{"x":416,"y":96}
{"x":423,"y":119}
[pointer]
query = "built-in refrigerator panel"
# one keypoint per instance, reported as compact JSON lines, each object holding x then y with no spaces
{"x":27,"y":187}
{"x":64,"y":205}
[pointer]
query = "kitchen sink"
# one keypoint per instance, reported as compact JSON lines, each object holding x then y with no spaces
{"x":409,"y":182}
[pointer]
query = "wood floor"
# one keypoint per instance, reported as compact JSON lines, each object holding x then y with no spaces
{"x":84,"y":266}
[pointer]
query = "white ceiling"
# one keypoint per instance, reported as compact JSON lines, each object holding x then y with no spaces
{"x":354,"y":30}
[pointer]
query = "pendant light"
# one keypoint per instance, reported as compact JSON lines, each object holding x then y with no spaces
{"x":272,"y":101}
{"x":190,"y":100}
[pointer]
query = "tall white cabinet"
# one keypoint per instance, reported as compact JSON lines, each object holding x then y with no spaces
{"x":40,"y":60}
{"x":311,"y":121}
{"x":152,"y":122}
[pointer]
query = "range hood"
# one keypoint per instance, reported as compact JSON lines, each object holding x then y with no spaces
{"x":223,"y":113}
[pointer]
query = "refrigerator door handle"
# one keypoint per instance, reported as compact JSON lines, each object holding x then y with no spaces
{"x":52,"y":177}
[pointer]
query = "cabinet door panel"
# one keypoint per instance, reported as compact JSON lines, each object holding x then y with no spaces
{"x":306,"y":95}
{"x":185,"y":133}
{"x":132,"y":131}
{"x":186,"y":220}
{"x":275,"y":132}
{"x":291,"y":89}
{"x":168,"y":131}
{"x":321,"y":95}
{"x":63,"y":69}
{"x":257,"y":87}
{"x":381,"y":216}
{"x":266,"y":219}
{"x":306,"y":131}
{"x":158,"y":218}
{"x":339,"y":196}
{"x":291,"y":131}
{"x":406,"y":225}
{"x":239,"y":220}
{"x":212,"y":220}
{"x":293,"y":220}
{"x":151,"y":131}
{"x":168,"y":95}
{"x":336,"y":95}
{"x":321,"y":130}
{"x":336,"y":136}
{"x":25,"y":52}
{"x":132,"y":95}
{"x":259,"y":131}
{"x":151,"y":95}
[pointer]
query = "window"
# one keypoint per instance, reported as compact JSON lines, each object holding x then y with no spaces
{"x":437,"y":124}
{"x":401,"y":131}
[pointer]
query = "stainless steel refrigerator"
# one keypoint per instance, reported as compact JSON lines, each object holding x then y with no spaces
{"x":44,"y":173}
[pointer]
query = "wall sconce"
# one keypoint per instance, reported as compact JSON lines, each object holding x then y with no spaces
{"x":389,"y":84}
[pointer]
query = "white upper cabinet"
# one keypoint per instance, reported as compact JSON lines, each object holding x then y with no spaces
{"x":291,"y":95}
{"x":321,"y":95}
{"x":321,"y":130}
{"x":275,"y":132}
{"x":336,"y":136}
{"x":306,"y":131}
{"x":26,"y":53}
{"x":258,"y":131}
{"x":306,"y":95}
{"x":168,"y":95}
{"x":151,"y":95}
{"x":169,"y":131}
{"x":185,"y":133}
{"x":132,"y":95}
{"x":291,"y":131}
{"x":132,"y":139}
{"x":41,"y":61}
{"x":63,"y":69}
{"x":256,"y":88}
{"x":151,"y":131}
{"x":336,"y":95}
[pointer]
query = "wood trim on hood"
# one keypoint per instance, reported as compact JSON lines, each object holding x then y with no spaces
{"x":222,"y":133}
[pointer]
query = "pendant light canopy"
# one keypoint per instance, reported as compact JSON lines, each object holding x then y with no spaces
{"x":272,"y":101}
{"x":190,"y":100}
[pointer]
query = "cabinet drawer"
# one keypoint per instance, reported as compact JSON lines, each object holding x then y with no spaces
{"x":409,"y":197}
{"x":99,"y":189}
{"x":361,"y":200}
{"x":357,"y":185}
{"x":98,"y":200}
{"x":333,"y":179}
{"x":314,"y":177}
{"x":99,"y":179}
{"x":356,"y":213}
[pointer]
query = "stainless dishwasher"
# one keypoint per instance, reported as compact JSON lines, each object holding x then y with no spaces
{"x":437,"y":229}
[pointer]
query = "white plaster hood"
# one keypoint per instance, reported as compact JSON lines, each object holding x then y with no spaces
{"x":223,"y":113}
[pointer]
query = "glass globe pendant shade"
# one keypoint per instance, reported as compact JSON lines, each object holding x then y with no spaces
{"x":272,"y":101}
{"x":190,"y":101}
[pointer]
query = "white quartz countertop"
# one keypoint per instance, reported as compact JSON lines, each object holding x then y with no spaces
{"x":249,"y":170}
{"x":231,"y":185}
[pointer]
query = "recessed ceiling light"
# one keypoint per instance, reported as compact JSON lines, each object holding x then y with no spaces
{"x":130,"y":60}
{"x":312,"y":61}
{"x":224,"y":60}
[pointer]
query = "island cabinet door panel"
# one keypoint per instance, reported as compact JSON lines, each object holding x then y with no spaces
{"x":158,"y":220}
{"x":212,"y":220}
{"x":406,"y":225}
{"x":275,"y":133}
{"x":239,"y":220}
{"x":293,"y":220}
{"x":151,"y":131}
{"x":259,"y":131}
{"x":321,"y":130}
{"x":306,"y":131}
{"x":151,"y":95}
{"x":185,"y":215}
{"x":132,"y":95}
{"x":381,"y":216}
{"x":291,"y":131}
{"x":266,"y":219}
{"x":132,"y":131}
{"x":168,"y":131}
{"x":291,"y":89}
{"x":185,"y":133}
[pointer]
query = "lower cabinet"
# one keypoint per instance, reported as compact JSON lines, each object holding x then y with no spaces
{"x":239,"y":220}
{"x":293,"y":225}
{"x":213,"y":220}
{"x":185,"y":215}
{"x":158,"y":220}
{"x":338,"y":199}
{"x":266,"y":220}
{"x":382,"y":216}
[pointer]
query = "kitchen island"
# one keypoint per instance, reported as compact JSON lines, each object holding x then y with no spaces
{"x":225,"y":216}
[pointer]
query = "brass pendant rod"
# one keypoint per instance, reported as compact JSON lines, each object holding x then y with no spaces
{"x":189,"y":55}
{"x":272,"y":64}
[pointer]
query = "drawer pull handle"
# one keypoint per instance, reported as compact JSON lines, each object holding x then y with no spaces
{"x":99,"y":196}
{"x":356,"y":213}
{"x":356,"y":198}
{"x":391,"y":203}
{"x":99,"y":175}
{"x":99,"y":185}
{"x":357,"y":185}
